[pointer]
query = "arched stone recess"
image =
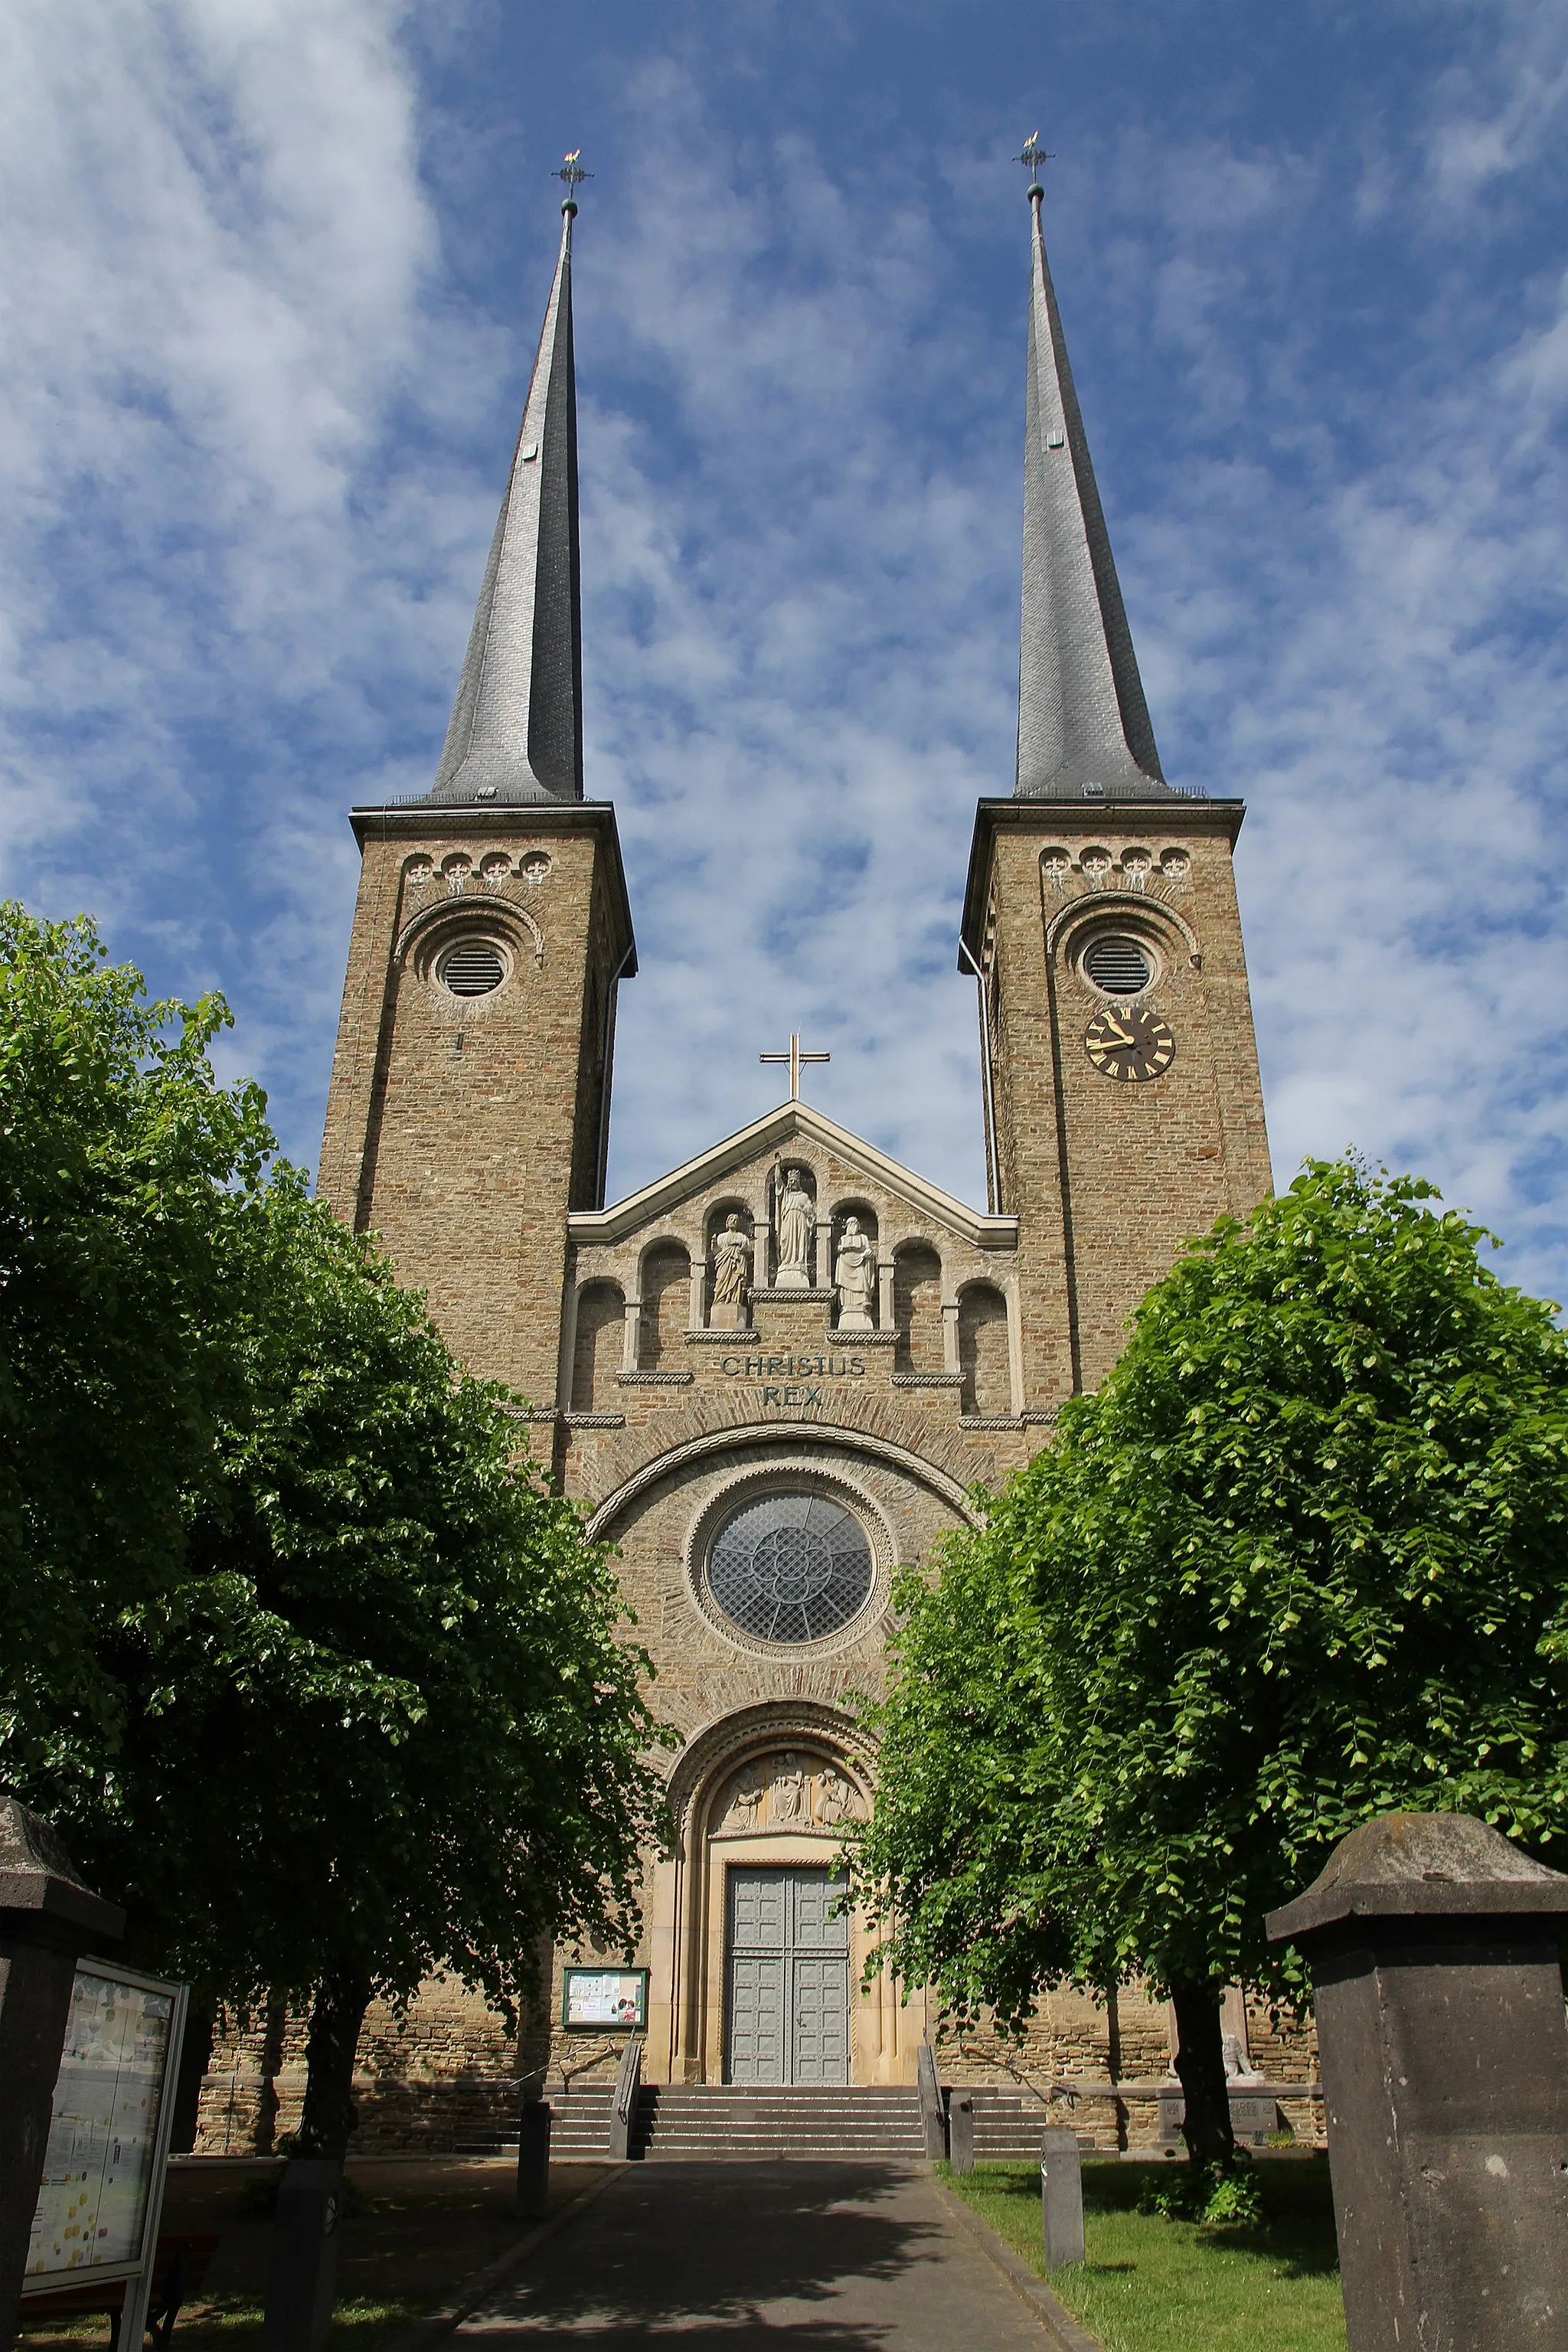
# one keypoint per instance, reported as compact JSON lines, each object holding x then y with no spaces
{"x":1151,"y":917}
{"x":712,"y":1755}
{"x":815,"y":1435}
{"x":486,"y":914}
{"x":770,"y":1787}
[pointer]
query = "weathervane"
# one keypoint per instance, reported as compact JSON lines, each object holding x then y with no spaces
{"x":573,"y":174}
{"x":1033,"y":156}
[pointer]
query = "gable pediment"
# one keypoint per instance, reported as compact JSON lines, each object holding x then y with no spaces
{"x":742,"y":1161}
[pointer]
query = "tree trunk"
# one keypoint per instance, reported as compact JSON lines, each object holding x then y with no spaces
{"x":330,"y":2115}
{"x":1200,"y":2069}
{"x":303,"y":2267}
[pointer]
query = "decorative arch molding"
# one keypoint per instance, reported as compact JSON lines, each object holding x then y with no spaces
{"x":780,"y":1434}
{"x":723,"y":1747}
{"x":495,"y":913}
{"x":1132,"y":907}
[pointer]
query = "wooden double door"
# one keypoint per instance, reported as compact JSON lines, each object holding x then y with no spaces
{"x":787,"y":2011}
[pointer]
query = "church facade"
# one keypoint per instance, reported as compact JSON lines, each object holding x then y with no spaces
{"x":773,"y":1374}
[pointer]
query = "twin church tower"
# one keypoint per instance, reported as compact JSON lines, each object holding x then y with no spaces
{"x":773,"y":1373}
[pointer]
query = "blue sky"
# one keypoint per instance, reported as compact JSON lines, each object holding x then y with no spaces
{"x":272,"y":273}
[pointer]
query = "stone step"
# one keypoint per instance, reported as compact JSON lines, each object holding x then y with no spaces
{"x":739,"y":2121}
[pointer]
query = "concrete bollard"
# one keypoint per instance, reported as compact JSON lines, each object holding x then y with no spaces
{"x":1433,"y":1943}
{"x":48,"y":1918}
{"x":534,"y":2158}
{"x":1061,"y":2198}
{"x":960,"y":2131}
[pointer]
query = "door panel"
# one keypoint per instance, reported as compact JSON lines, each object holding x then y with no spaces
{"x":787,"y":2012}
{"x":757,"y":2020}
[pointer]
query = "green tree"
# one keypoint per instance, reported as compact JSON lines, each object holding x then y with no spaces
{"x":1301,"y":1559}
{"x":316,"y":1675}
{"x":385,"y":1723}
{"x":120,"y":1158}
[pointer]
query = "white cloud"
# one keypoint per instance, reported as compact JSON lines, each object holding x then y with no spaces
{"x":252,"y":436}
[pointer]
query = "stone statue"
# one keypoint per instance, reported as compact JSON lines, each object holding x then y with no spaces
{"x":835,"y":1797}
{"x":788,"y":1793}
{"x":854,"y":1272}
{"x":732,"y":1272}
{"x":796,"y":1217}
{"x":745,"y":1801}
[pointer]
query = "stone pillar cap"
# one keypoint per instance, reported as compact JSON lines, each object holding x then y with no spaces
{"x":37,"y":1876}
{"x":1411,"y":1865}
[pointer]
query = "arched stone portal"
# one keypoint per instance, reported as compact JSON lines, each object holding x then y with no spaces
{"x":759,"y":1971}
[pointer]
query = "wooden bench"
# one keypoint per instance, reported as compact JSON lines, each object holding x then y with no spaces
{"x":179,"y":2267}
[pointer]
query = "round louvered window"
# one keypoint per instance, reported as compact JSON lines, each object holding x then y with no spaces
{"x":473,"y":968}
{"x":1121,"y":966}
{"x":790,"y":1567}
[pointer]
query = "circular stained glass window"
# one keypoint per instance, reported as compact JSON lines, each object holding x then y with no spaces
{"x":791,"y":1568}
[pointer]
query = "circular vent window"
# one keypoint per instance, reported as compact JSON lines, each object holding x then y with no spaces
{"x":1120,"y":966}
{"x":791,"y":1568}
{"x":472,"y":969}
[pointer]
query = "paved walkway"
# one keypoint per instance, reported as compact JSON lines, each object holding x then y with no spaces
{"x":820,"y":2257}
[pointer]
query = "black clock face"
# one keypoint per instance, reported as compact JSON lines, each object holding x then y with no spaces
{"x":1129,"y":1044}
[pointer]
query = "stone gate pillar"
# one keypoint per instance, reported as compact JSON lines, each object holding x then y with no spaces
{"x":1434,"y":1946}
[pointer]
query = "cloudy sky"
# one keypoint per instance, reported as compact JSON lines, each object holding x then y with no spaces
{"x":272,"y":272}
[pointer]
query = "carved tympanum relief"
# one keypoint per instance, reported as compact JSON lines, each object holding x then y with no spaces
{"x":788,"y":1791}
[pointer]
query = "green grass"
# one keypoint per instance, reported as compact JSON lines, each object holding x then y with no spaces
{"x":1150,"y":2286}
{"x":359,"y":2323}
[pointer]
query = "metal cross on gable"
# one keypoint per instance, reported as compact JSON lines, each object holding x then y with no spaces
{"x":795,"y":1057}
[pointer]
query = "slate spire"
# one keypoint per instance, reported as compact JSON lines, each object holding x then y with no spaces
{"x":1083,"y":719}
{"x":516,"y":730}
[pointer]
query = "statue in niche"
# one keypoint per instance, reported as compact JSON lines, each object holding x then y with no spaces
{"x":835,"y":1796}
{"x":732,"y":1272}
{"x":746,"y":1799}
{"x":797,"y":1219}
{"x":788,"y":1801}
{"x":854,"y":1272}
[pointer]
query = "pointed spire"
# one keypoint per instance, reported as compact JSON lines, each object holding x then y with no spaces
{"x":516,"y":730}
{"x":1083,"y":719}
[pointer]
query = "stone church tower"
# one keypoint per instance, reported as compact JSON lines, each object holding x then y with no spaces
{"x":774,"y":1373}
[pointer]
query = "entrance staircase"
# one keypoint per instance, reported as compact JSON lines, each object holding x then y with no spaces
{"x":738,"y":2123}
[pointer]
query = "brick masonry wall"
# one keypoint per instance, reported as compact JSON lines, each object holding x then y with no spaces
{"x":1111,"y":1177}
{"x":462,"y":1130}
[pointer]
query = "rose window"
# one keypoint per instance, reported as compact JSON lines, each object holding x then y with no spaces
{"x":791,"y":1568}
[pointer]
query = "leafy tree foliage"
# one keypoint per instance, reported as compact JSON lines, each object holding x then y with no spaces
{"x":1301,"y":1559}
{"x":363,"y":1709}
{"x":120,"y":1157}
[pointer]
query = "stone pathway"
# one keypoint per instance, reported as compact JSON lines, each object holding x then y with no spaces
{"x":818,"y":2257}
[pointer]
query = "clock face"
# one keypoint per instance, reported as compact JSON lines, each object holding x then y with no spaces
{"x":1126,"y":1044}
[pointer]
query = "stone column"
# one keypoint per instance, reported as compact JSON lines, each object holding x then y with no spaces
{"x":1433,"y":1943}
{"x":47,"y":1919}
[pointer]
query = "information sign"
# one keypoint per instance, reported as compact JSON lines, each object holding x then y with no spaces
{"x":597,"y":1998}
{"x":101,"y":2189}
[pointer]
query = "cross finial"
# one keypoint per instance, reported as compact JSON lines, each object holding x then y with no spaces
{"x":573,"y":174}
{"x":1033,"y":156}
{"x":795,"y":1057}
